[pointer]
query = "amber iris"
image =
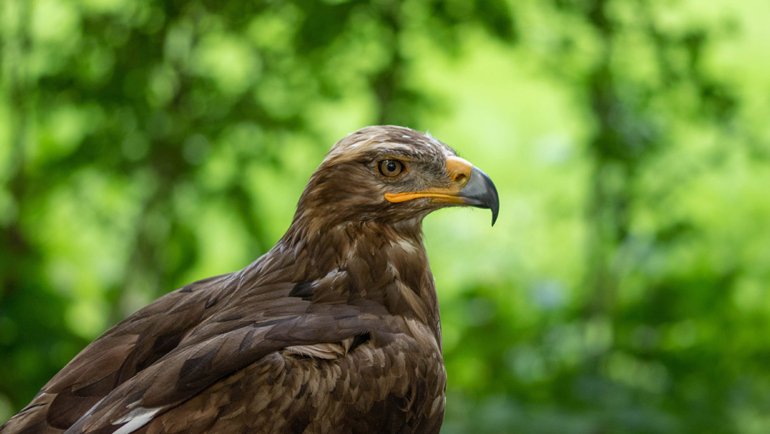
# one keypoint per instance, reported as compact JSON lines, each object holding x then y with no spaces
{"x":390,"y":168}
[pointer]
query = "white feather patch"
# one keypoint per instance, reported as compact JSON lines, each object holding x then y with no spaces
{"x":135,"y":419}
{"x":326,"y":351}
{"x":407,"y":246}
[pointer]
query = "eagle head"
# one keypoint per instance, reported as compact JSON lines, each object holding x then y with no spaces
{"x":392,"y":174}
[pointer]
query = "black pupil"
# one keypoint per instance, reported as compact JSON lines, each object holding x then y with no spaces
{"x":391,"y":166}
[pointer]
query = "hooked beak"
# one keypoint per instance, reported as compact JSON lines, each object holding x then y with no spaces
{"x":468,"y":186}
{"x":480,"y":192}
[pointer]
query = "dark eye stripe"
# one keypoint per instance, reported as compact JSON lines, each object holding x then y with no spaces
{"x":390,"y":168}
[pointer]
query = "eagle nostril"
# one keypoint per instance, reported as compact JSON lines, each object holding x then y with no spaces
{"x":460,"y":178}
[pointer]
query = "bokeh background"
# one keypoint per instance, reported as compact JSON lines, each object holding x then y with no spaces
{"x":144,"y":145}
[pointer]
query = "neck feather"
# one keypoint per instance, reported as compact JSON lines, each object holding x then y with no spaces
{"x":374,"y":261}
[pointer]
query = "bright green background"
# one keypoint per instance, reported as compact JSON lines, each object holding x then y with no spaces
{"x":144,"y":145}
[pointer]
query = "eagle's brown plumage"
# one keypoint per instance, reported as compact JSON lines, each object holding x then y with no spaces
{"x":334,"y":330}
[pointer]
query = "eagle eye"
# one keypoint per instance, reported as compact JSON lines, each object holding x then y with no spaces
{"x":390,"y":168}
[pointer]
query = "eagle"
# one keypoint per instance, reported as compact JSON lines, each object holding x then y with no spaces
{"x":334,"y":330}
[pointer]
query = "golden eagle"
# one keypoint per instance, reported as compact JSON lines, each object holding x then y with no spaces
{"x":334,"y":330}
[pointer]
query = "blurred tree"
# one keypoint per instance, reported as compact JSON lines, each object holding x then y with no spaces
{"x":633,"y":352}
{"x":146,"y":145}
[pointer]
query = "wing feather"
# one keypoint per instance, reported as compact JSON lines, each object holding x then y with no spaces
{"x":186,"y":372}
{"x":127,"y":348}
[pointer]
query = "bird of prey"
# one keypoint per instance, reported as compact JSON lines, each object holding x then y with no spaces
{"x":334,"y":330}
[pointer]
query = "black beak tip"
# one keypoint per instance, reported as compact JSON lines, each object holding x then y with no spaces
{"x":481,"y":192}
{"x":494,"y":201}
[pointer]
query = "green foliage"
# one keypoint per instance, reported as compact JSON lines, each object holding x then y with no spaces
{"x":147,"y":145}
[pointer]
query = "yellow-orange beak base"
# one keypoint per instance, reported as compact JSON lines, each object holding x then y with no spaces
{"x":469,"y":186}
